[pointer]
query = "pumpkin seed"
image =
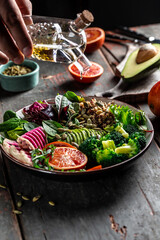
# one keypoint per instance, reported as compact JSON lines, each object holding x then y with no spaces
{"x":3,"y":186}
{"x":79,"y":116}
{"x":25,"y":198}
{"x":85,"y":116}
{"x":64,"y":136}
{"x":75,"y":144}
{"x":19,"y":204}
{"x":63,"y":130}
{"x":57,"y":136}
{"x":51,"y":203}
{"x":36,"y":198}
{"x":19,"y":194}
{"x":82,"y":122}
{"x":89,"y":121}
{"x":17,"y":211}
{"x":83,"y":111}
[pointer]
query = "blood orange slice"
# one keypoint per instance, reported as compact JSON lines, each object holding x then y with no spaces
{"x":91,"y":75}
{"x":59,"y":144}
{"x":67,"y":158}
{"x":95,"y":38}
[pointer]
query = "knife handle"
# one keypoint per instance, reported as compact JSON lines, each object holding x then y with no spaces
{"x":130,"y":33}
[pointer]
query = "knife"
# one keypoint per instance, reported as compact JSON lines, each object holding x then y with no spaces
{"x":133,"y":34}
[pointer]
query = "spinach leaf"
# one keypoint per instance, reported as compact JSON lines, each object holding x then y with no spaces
{"x":15,"y":133}
{"x":51,"y":127}
{"x":30,"y":126}
{"x":1,"y":139}
{"x":71,"y":96}
{"x":9,"y":114}
{"x":10,"y":124}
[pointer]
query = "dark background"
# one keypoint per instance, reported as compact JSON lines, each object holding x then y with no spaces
{"x":107,"y":14}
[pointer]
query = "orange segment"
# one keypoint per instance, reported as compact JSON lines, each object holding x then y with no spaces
{"x":91,"y":75}
{"x":95,"y":38}
{"x":68,"y":158}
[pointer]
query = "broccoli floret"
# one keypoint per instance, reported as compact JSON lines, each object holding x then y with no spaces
{"x":108,"y":157}
{"x":121,"y":130}
{"x":131,"y":148}
{"x":90,"y":147}
{"x":108,"y":144}
{"x":140,"y":137}
{"x":129,"y":128}
{"x":115,"y":136}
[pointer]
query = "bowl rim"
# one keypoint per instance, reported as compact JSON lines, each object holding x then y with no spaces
{"x":36,"y":68}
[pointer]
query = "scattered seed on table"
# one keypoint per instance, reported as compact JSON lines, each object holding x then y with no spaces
{"x":19,"y":194}
{"x":25,"y":198}
{"x":17,"y":212}
{"x":19,"y":204}
{"x":2,"y":186}
{"x":51,"y":203}
{"x":36,"y":198}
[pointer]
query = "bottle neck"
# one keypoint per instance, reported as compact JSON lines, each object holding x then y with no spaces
{"x":82,"y":21}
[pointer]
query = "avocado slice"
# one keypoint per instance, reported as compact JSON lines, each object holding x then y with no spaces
{"x":84,"y":134}
{"x":75,"y":137}
{"x":88,"y":133}
{"x":78,"y":132}
{"x":68,"y":139}
{"x":133,"y":71}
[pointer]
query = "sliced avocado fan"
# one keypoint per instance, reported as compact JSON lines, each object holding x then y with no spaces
{"x":133,"y":71}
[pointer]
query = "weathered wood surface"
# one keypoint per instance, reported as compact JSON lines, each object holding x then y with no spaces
{"x":82,"y":209}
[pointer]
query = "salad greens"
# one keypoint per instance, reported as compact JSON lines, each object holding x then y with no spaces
{"x":120,"y":139}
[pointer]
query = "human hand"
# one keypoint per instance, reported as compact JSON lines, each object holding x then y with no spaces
{"x":15,"y":42}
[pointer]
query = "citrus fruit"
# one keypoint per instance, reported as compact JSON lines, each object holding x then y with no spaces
{"x":67,"y":158}
{"x":91,"y":75}
{"x":154,"y":99}
{"x":59,"y":144}
{"x":95,"y":38}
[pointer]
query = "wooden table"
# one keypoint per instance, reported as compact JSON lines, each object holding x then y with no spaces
{"x":82,"y":210}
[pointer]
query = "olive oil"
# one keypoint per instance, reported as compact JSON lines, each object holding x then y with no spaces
{"x":61,"y":40}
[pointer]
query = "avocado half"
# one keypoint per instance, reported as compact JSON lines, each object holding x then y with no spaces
{"x":133,"y":71}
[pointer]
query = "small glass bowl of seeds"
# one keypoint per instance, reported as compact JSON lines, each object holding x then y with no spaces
{"x":19,"y":77}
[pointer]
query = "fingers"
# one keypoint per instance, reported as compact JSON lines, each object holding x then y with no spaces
{"x":3,"y":58}
{"x":25,"y":7}
{"x":15,"y":39}
{"x":8,"y":46}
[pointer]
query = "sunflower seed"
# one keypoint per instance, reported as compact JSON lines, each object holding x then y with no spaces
{"x":51,"y":203}
{"x":36,"y":198}
{"x":17,"y":211}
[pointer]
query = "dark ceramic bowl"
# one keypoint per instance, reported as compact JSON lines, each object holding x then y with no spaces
{"x":86,"y":175}
{"x":20,"y":83}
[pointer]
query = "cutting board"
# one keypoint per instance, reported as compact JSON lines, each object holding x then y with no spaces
{"x":131,"y":92}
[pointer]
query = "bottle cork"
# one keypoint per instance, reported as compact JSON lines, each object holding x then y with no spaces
{"x":84,"y":19}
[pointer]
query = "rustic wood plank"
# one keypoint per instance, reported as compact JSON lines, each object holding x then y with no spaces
{"x":82,"y":209}
{"x":9,"y":227}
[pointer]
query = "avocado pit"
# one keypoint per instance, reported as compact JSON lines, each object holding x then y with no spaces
{"x":146,"y":52}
